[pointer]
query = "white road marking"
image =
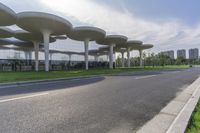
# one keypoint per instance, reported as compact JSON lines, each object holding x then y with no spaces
{"x":144,"y":77}
{"x":23,"y":97}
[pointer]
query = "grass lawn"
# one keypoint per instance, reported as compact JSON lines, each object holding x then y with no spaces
{"x":194,"y":126}
{"x":6,"y":77}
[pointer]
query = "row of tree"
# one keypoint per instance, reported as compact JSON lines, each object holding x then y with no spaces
{"x":152,"y":59}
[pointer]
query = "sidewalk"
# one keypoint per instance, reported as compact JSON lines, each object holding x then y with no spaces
{"x":175,"y":117}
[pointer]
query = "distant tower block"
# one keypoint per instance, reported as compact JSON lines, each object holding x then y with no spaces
{"x":181,"y":53}
{"x":194,"y":53}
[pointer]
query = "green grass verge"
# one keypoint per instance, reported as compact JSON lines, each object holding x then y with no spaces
{"x":6,"y":77}
{"x":194,"y":126}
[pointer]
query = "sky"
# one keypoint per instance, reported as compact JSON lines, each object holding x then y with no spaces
{"x":168,"y":24}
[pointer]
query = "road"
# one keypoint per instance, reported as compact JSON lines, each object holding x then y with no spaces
{"x":112,"y":104}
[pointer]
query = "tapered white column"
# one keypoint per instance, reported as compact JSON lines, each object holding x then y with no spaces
{"x":128,"y":57}
{"x":30,"y":55}
{"x":36,"y":47}
{"x":111,"y":56}
{"x":26,"y":55}
{"x":123,"y":62}
{"x":86,"y":43}
{"x":70,"y":57}
{"x":107,"y":56}
{"x":51,"y":56}
{"x":140,"y":52}
{"x":46,"y":35}
{"x":96,"y":58}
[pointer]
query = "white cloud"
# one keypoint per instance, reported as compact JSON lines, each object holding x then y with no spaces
{"x":163,"y":34}
{"x":166,"y":34}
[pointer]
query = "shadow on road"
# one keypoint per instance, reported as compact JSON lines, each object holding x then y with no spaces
{"x":64,"y":84}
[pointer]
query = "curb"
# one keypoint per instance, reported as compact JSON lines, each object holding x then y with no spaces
{"x":175,"y":117}
{"x":181,"y":122}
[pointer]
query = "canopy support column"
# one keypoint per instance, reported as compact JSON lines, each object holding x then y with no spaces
{"x":86,"y":43}
{"x":46,"y":35}
{"x":36,"y":47}
{"x":51,"y":56}
{"x":111,"y":56}
{"x":140,"y":52}
{"x":128,"y":57}
{"x":96,"y":58}
{"x":123,"y":62}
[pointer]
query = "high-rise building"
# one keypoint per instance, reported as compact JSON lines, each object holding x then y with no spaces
{"x":181,"y":53}
{"x":194,"y":53}
{"x":169,"y":53}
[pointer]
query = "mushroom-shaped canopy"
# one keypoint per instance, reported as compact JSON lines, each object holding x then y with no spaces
{"x":5,"y":42}
{"x":104,"y":49}
{"x":14,"y":42}
{"x":23,"y":44}
{"x":145,"y":46}
{"x":23,"y":48}
{"x":31,"y":37}
{"x":98,"y":52}
{"x":134,"y":44}
{"x":38,"y":22}
{"x":112,"y":39}
{"x":7,"y":16}
{"x":94,"y":52}
{"x":6,"y":32}
{"x":60,"y":37}
{"x":20,"y":43}
{"x":83,"y":33}
{"x":62,"y":52}
{"x":72,"y":53}
{"x":10,"y":48}
{"x":3,"y":47}
{"x":120,"y":50}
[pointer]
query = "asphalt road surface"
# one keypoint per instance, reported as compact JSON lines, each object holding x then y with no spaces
{"x":113,"y":104}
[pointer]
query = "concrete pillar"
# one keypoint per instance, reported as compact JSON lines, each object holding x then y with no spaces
{"x":128,"y":57}
{"x":111,"y":56}
{"x":30,"y":55}
{"x":50,"y":56}
{"x":36,"y":47}
{"x":50,"y":60}
{"x":140,"y":52}
{"x":46,"y":35}
{"x":114,"y":59}
{"x":123,"y":62}
{"x":107,"y":57}
{"x":26,"y":54}
{"x":86,"y":43}
{"x":70,"y":57}
{"x":96,"y":58}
